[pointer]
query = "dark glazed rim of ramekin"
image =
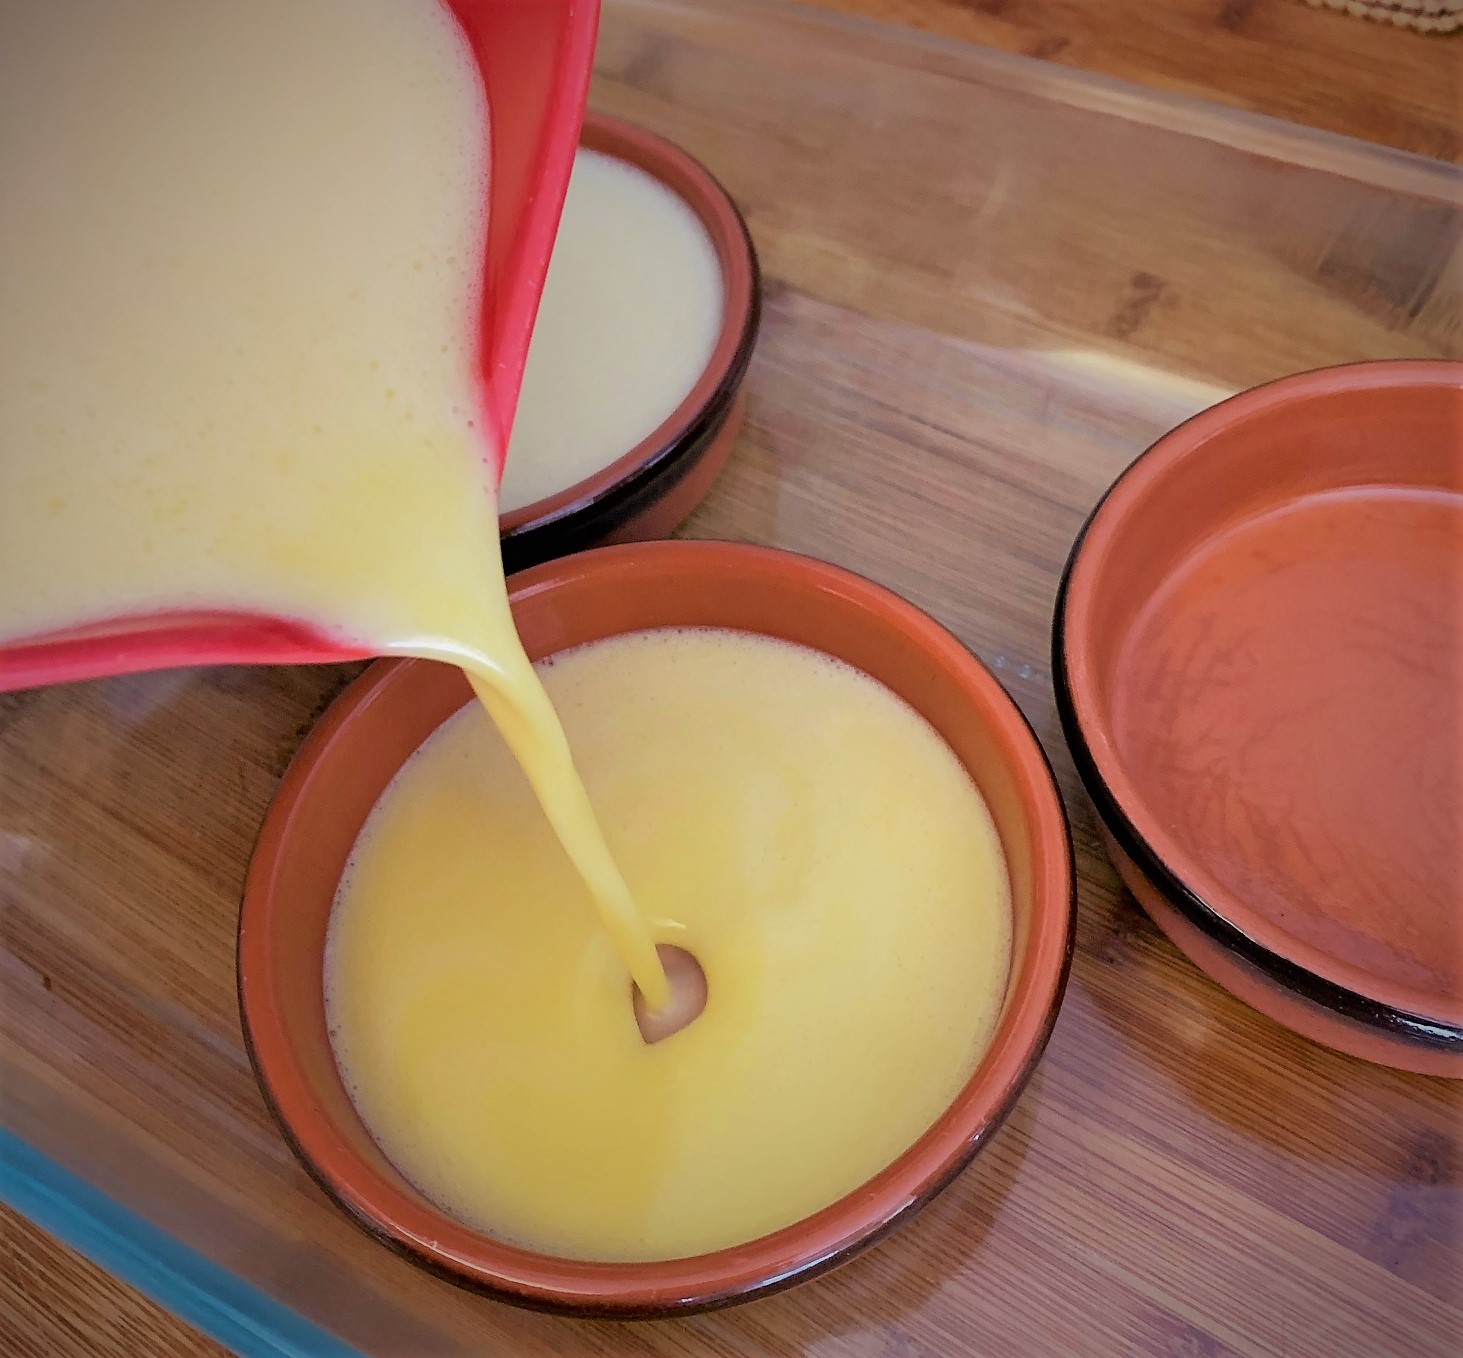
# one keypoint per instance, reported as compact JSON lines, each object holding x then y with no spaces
{"x":1283,"y":971}
{"x":734,"y":1296}
{"x":594,"y":507}
{"x":1053,"y":963}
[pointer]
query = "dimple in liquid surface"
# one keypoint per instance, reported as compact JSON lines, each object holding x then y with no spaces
{"x":786,"y":819}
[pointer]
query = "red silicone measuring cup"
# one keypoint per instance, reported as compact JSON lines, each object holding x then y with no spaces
{"x":535,"y":58}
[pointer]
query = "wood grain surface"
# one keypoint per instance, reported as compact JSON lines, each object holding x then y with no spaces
{"x":988,"y":285}
{"x":54,"y":1302}
{"x":1311,"y":65}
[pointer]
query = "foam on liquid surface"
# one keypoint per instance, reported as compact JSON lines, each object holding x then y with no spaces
{"x":788,"y":820}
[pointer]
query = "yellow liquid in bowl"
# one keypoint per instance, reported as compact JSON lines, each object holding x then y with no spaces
{"x":630,"y":315}
{"x":792,"y":823}
{"x":238,"y":371}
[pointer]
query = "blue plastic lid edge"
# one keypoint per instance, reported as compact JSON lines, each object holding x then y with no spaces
{"x":211,"y":1299}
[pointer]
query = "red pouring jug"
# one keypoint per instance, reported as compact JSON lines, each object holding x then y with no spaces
{"x":535,"y":58}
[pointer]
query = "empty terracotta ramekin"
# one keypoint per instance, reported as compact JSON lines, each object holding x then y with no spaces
{"x":363,"y":739}
{"x":1258,"y":653}
{"x":649,"y":490}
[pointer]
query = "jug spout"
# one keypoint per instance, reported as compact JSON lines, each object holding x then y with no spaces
{"x":533,"y":58}
{"x":115,"y":646}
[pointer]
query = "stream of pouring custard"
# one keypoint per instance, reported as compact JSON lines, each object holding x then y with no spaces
{"x":238,"y":330}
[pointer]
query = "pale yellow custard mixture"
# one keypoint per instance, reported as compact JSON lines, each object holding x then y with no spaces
{"x":238,"y":371}
{"x":238,"y":329}
{"x":789,"y":821}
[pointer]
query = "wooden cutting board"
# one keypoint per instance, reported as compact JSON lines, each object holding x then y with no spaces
{"x":989,"y":284}
{"x":1322,"y":67}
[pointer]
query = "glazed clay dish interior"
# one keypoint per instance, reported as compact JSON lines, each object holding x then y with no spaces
{"x":649,"y":490}
{"x":374,"y":727}
{"x":1260,"y":659}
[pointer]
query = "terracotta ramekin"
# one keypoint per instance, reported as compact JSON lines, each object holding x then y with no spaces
{"x":1258,"y":651}
{"x":358,"y":745}
{"x":651,"y":489}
